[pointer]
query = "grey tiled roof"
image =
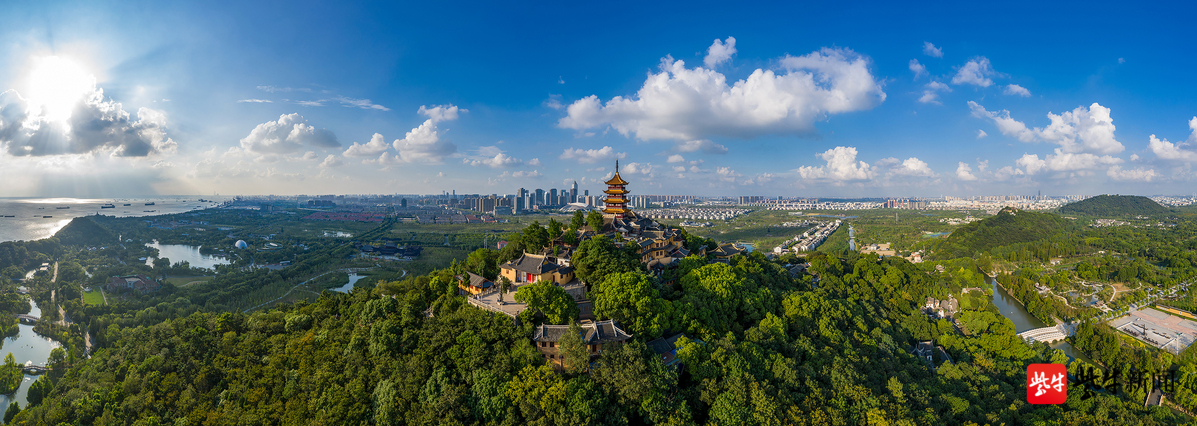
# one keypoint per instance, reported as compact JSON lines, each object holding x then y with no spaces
{"x":664,"y":344}
{"x":593,"y":333}
{"x":478,"y":281}
{"x":532,"y":264}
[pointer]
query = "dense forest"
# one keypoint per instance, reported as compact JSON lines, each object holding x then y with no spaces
{"x":1114,"y":205}
{"x":761,"y":347}
{"x":761,"y":344}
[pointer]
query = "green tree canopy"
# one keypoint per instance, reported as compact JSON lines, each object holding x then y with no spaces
{"x":484,"y":262}
{"x":598,"y":258}
{"x":549,"y":299}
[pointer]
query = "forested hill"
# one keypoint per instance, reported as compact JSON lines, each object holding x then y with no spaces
{"x":82,"y":231}
{"x":1009,"y":226}
{"x":1114,"y":205}
{"x":760,"y":349}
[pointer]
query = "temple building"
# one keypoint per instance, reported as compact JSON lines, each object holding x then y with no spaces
{"x":617,"y":195}
{"x":597,"y":336}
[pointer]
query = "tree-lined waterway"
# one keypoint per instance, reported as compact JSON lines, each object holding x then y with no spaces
{"x":26,"y":346}
{"x":1017,"y":313}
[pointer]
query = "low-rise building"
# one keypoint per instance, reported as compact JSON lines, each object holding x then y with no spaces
{"x":531,"y":268}
{"x":597,"y":336}
{"x":666,"y":349}
{"x":138,"y":283}
{"x":473,"y":283}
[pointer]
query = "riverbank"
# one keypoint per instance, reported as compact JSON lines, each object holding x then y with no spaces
{"x":27,"y":346}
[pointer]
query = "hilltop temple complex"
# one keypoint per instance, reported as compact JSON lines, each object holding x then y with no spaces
{"x":660,"y":247}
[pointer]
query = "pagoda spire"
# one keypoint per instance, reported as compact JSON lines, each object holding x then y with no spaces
{"x":617,"y":195}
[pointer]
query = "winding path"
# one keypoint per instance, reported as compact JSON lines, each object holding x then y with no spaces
{"x":288,"y":293}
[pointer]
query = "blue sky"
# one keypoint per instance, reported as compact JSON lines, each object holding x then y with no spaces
{"x":709,"y":99}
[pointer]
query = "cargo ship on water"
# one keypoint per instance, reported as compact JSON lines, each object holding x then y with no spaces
{"x":108,"y":206}
{"x":63,"y":207}
{"x":149,"y":203}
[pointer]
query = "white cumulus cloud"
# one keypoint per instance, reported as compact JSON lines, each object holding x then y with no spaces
{"x":590,"y":156}
{"x":964,"y":172}
{"x":331,"y":161}
{"x":841,"y":166}
{"x":1165,"y":150}
{"x":685,"y":104}
{"x":290,"y":133}
{"x":720,"y":52}
{"x":912,"y":167}
{"x":703,"y":145}
{"x":1138,"y":174}
{"x":981,"y":134}
{"x":917,"y":68}
{"x":930,"y":50}
{"x":645,"y":169}
{"x":1014,"y":89}
{"x":424,"y":144}
{"x":976,"y":72}
{"x":493,"y":157}
{"x":1080,"y":130}
{"x":93,"y":124}
{"x":377,"y":145}
{"x":1062,"y":161}
{"x":1008,"y":126}
{"x":930,"y":95}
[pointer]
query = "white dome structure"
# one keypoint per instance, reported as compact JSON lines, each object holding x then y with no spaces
{"x":241,"y":244}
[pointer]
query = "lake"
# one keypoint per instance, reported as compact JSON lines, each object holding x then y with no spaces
{"x":26,"y":346}
{"x":353,"y":278}
{"x":1023,"y":320}
{"x":179,"y":252}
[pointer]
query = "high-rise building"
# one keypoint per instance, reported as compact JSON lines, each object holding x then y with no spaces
{"x":539,"y":197}
{"x":552,"y":201}
{"x":617,"y":194}
{"x":573,"y":193}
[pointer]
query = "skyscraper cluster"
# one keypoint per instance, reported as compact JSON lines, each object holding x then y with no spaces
{"x":538,"y":198}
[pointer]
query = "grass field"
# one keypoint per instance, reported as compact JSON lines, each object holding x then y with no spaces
{"x":184,"y":281}
{"x":93,"y":297}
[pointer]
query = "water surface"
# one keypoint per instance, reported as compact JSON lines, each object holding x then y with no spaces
{"x":178,"y":252}
{"x":26,"y":346}
{"x":1023,"y":320}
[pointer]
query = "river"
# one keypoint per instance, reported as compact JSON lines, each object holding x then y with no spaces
{"x":1023,"y":320}
{"x":26,"y":346}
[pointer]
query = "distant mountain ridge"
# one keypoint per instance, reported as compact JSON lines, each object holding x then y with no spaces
{"x":1009,"y":226}
{"x":1114,"y":205}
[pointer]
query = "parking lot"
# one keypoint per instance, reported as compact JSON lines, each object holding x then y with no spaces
{"x":1158,"y":329}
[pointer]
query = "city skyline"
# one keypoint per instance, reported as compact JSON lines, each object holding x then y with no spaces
{"x":112,"y":99}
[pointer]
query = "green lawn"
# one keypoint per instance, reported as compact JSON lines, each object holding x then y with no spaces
{"x":93,"y":297}
{"x":183,"y":281}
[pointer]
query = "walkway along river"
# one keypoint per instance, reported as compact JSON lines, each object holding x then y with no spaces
{"x":26,"y":346}
{"x":1023,"y":320}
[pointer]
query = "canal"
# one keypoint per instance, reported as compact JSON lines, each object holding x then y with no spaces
{"x":26,"y":346}
{"x":1014,"y":310}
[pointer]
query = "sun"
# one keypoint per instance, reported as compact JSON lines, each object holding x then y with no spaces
{"x":56,"y":86}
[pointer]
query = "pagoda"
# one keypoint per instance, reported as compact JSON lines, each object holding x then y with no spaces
{"x":617,"y":195}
